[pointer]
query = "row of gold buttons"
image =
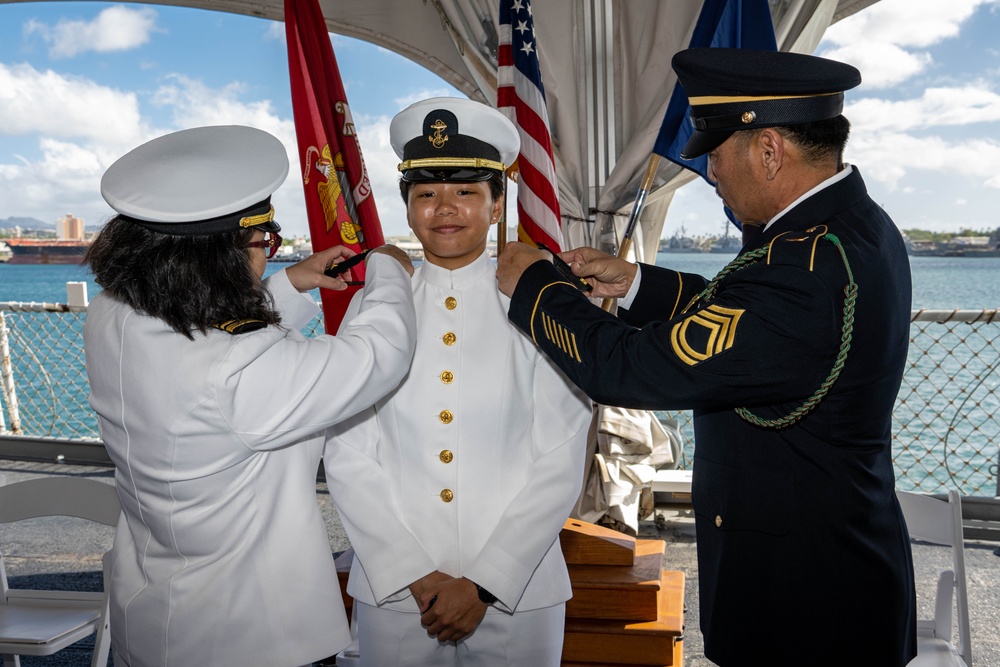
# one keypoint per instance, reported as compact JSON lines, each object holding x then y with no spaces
{"x":446,"y":456}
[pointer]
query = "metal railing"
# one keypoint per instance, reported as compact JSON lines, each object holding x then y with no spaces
{"x":946,"y":424}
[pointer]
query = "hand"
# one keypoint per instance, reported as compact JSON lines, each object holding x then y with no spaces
{"x":515,"y":258}
{"x":420,"y":587}
{"x":396,"y":254}
{"x":610,"y":276}
{"x":308,"y":274}
{"x":456,"y":612}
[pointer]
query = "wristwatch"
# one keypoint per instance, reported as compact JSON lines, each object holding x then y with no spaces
{"x":485,"y":595}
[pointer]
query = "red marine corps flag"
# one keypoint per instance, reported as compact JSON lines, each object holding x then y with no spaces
{"x":339,"y":199}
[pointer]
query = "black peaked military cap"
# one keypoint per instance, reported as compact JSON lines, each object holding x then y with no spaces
{"x":745,"y":89}
{"x":452,"y":139}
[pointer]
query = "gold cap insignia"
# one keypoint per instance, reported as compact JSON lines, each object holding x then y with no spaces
{"x":748,"y":117}
{"x":438,"y":139}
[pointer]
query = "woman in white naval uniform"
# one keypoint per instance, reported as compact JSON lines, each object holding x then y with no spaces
{"x":212,"y":405}
{"x":453,"y":488}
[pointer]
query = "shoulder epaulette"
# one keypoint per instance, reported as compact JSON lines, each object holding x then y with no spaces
{"x":797,"y":248}
{"x":236,"y":327}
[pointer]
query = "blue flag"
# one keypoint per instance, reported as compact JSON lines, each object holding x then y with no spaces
{"x":744,"y":24}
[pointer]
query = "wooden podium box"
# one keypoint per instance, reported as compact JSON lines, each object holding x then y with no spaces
{"x":626,"y":609}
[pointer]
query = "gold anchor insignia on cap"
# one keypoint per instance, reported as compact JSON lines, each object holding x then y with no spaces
{"x":438,"y":138}
{"x":748,"y":117}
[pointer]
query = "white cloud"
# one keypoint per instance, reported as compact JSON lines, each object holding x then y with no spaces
{"x":116,"y":28}
{"x":911,"y":23}
{"x":276,"y":31}
{"x":888,"y":157}
{"x":882,"y":65}
{"x":65,"y":106}
{"x":936,"y":107}
{"x":418,"y":95}
{"x":881,"y":40}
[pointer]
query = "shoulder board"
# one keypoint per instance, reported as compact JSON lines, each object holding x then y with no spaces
{"x":237,"y":327}
{"x":798,"y":248}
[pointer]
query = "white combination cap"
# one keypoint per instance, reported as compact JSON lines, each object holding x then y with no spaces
{"x":452,"y":139}
{"x":205,"y":180}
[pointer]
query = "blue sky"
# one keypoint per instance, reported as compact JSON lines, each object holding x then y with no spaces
{"x":82,"y":83}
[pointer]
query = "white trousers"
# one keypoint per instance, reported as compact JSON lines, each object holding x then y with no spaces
{"x":525,"y":639}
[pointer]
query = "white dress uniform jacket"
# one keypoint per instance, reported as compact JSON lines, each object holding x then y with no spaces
{"x":471,"y":465}
{"x":222,"y":556}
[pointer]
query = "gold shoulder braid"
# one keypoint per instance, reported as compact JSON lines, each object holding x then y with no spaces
{"x":846,"y":332}
{"x":236,"y":327}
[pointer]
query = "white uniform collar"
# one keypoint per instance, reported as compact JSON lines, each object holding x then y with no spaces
{"x":459,"y":278}
{"x":839,"y":176}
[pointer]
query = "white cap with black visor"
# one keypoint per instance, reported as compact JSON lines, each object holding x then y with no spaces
{"x":200,"y":181}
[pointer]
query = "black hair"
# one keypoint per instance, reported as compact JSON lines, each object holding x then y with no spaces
{"x":818,"y":140}
{"x":189,"y":282}
{"x":822,"y":139}
{"x":496,"y":181}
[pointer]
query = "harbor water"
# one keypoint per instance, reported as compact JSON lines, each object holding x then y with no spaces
{"x":953,"y":426}
{"x":938,"y":282}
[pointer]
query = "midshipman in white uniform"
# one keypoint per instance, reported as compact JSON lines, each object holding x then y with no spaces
{"x":212,"y":405}
{"x":453,"y":488}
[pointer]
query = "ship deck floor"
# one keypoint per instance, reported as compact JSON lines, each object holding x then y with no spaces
{"x":69,"y":547}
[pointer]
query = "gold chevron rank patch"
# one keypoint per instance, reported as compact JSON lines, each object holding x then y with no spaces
{"x":705,"y":334}
{"x":563,"y":339}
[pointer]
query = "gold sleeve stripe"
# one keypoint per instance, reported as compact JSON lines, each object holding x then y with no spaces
{"x":534,"y":309}
{"x":677,"y":301}
{"x":550,"y":328}
{"x":560,"y":336}
{"x":564,"y":339}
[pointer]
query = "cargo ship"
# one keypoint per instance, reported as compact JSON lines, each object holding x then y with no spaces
{"x":46,"y":251}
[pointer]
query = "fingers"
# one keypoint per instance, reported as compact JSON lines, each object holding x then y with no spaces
{"x":456,"y":612}
{"x":397,"y":254}
{"x":308,"y":274}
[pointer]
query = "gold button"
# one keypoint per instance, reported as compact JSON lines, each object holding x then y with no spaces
{"x":451,"y":303}
{"x":446,"y":456}
{"x":446,"y":416}
{"x":447,"y":495}
{"x":450,"y":338}
{"x":447,"y":377}
{"x":718,"y":521}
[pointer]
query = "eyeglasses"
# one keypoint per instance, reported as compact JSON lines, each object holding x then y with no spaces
{"x":272,"y":241}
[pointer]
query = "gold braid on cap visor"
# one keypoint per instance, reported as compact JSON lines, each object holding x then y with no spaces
{"x":254,"y":220}
{"x":729,"y":99}
{"x":451,"y":163}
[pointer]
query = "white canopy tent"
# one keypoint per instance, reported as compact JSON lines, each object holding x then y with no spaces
{"x":606,"y":71}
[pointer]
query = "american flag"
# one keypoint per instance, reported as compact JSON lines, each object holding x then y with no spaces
{"x":521,"y":97}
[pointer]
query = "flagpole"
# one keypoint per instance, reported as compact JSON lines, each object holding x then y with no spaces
{"x":633,"y":218}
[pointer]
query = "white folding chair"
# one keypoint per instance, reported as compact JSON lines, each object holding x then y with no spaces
{"x":43,"y":622}
{"x":939,"y":522}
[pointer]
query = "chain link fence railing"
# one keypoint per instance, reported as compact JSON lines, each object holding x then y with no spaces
{"x":946,"y":425}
